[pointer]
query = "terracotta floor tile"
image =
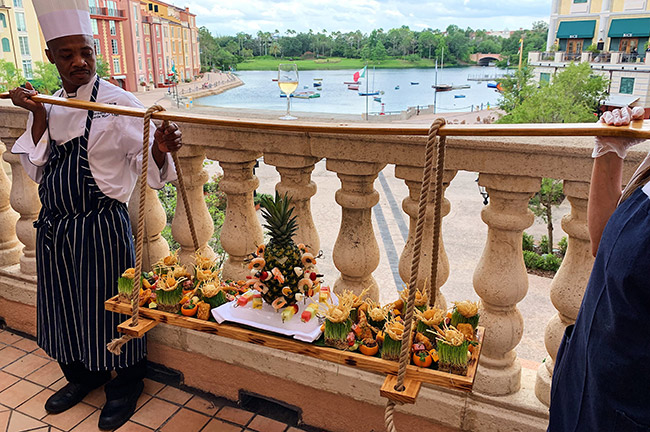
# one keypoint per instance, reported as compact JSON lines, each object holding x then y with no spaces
{"x":89,"y":424}
{"x":152,"y":387}
{"x":39,"y":352}
{"x":133,"y":427}
{"x":26,"y":365}
{"x":219,"y":426}
{"x":143,"y":399}
{"x":154,"y":413}
{"x":294,"y":429}
{"x":70,"y":418}
{"x":265,"y":424}
{"x":234,"y":415}
{"x":43,"y":429}
{"x":19,"y":393}
{"x":9,"y":338}
{"x":35,"y":407}
{"x":187,"y":421}
{"x":26,"y":345}
{"x":9,"y":355}
{"x":201,"y":405}
{"x":58,"y":385}
{"x":6,"y":380}
{"x":4,"y":420}
{"x":20,"y":422}
{"x":47,"y":375}
{"x":96,"y":397}
{"x":172,"y":394}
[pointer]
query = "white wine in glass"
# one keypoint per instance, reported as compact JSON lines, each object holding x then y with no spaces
{"x":288,"y":83}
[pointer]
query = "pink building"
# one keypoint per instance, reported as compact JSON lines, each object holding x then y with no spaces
{"x":109,"y":23}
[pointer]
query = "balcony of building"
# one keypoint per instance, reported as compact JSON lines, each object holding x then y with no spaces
{"x":331,"y":396}
{"x":107,"y":13}
{"x":603,"y":59}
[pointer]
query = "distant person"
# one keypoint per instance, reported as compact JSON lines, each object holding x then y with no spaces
{"x":602,"y":369}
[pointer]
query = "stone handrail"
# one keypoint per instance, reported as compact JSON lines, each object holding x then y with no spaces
{"x":509,"y":168}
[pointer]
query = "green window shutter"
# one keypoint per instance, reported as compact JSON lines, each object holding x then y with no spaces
{"x":6,"y":47}
{"x":544,"y":77}
{"x":627,"y":85}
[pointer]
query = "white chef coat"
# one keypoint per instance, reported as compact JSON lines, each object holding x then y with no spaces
{"x":114,"y":143}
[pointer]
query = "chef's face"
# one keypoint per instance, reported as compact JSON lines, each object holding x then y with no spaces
{"x":74,"y":57}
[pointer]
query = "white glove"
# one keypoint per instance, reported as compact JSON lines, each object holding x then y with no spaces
{"x":618,"y":117}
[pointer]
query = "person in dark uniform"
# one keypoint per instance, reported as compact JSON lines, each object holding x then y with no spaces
{"x":601,"y":379}
{"x":86,"y":164}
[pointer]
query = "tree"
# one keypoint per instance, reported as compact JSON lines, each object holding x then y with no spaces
{"x":102,"y":68}
{"x":10,"y":76}
{"x":47,"y":79}
{"x":541,"y":204}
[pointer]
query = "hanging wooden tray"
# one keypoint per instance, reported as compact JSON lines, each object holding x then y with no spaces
{"x":348,"y":358}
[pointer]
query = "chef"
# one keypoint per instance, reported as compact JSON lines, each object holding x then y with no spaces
{"x":86,"y":164}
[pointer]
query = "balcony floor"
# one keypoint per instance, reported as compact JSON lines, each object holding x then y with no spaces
{"x":28,"y":377}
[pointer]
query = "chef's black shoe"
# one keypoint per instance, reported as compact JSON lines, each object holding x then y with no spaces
{"x":118,"y":411}
{"x":68,"y":396}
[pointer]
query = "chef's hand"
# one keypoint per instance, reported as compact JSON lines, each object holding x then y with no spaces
{"x":168,"y":139}
{"x":21,"y":96}
{"x":620,"y":146}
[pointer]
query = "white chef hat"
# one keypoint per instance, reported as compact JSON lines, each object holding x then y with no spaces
{"x":60,"y":18}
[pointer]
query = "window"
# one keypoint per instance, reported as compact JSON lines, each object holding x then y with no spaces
{"x":20,"y":21}
{"x":24,"y":45}
{"x":159,"y":62}
{"x":18,"y":3}
{"x":149,"y":63}
{"x":146,"y":29}
{"x":113,"y":28}
{"x":116,"y":66}
{"x":165,"y":32}
{"x":93,"y":22}
{"x":579,"y":1}
{"x":138,"y":42}
{"x":155,"y":8}
{"x":150,"y":6}
{"x":157,"y":31}
{"x":27,"y":69}
{"x":627,"y":85}
{"x":545,"y":77}
{"x":161,"y":78}
{"x":98,"y":50}
{"x":148,"y":48}
{"x":114,"y":47}
{"x":139,"y":63}
{"x":3,"y":20}
{"x":159,"y":47}
{"x":5,"y":45}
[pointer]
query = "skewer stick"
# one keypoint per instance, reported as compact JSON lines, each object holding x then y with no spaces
{"x":636,"y":129}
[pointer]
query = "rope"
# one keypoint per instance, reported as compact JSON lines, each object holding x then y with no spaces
{"x":437,"y":218}
{"x":115,"y":346}
{"x":415,"y":263}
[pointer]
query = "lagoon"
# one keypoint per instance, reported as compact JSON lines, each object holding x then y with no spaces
{"x":260,"y":92}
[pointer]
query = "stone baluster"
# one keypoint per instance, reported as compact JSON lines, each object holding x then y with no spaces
{"x":569,"y":283}
{"x":356,"y":253}
{"x":241,"y":232}
{"x":9,"y":245}
{"x":295,"y":181}
{"x":191,"y":160}
{"x":155,"y":246}
{"x":500,"y":279}
{"x":413,"y":179}
{"x":24,"y":199}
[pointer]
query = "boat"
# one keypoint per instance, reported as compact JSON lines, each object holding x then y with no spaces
{"x":306,"y":95}
{"x":318,"y":84}
{"x":442,"y":87}
{"x":376,"y":99}
{"x":274,"y":79}
{"x":318,"y":79}
{"x":458,"y":96}
{"x":462,"y":86}
{"x":415,"y":83}
{"x":352,"y":82}
{"x":396,"y":87}
{"x":369,"y":93}
{"x":492,"y":85}
{"x":353,"y":87}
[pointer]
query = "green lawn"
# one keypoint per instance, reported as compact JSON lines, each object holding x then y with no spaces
{"x":271,"y":63}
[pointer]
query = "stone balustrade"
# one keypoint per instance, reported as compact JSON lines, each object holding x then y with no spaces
{"x":509,"y":168}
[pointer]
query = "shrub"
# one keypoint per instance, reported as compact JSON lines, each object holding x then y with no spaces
{"x":257,"y":199}
{"x":563,"y":244}
{"x":550,"y":262}
{"x":543,"y":244}
{"x":531,"y":259}
{"x":528,"y":242}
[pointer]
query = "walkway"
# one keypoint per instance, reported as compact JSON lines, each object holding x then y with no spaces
{"x":28,"y":377}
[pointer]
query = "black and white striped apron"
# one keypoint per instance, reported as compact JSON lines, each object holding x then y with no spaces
{"x":83,"y":244}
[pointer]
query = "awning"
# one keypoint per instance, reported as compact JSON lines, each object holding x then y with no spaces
{"x":119,"y":76}
{"x":576,"y":29}
{"x":620,"y":100}
{"x":630,"y":27}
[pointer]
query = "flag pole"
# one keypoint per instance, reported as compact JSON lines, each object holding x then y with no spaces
{"x":365,"y":73}
{"x":521,"y":50}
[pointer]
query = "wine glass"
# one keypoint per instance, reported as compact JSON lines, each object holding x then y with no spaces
{"x":288,"y":83}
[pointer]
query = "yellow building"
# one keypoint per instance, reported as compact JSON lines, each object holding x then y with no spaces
{"x":21,"y":41}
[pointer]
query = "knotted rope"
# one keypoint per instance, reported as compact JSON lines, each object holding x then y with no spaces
{"x":417,"y":248}
{"x":115,"y":346}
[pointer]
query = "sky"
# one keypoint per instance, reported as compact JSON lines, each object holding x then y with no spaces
{"x":227,"y":18}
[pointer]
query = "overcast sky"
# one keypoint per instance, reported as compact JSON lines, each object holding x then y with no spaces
{"x":230,"y":17}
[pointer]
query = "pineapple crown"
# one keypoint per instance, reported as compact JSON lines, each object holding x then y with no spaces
{"x":280,"y":221}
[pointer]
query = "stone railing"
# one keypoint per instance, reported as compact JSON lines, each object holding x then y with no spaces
{"x":510,"y":169}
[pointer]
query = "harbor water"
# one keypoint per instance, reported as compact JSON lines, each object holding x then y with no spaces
{"x":402,"y":88}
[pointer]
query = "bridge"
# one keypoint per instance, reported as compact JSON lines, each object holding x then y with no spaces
{"x":483,"y":59}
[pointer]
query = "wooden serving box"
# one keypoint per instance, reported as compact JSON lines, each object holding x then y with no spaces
{"x":348,"y":358}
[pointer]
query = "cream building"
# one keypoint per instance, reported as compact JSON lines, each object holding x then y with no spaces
{"x":21,"y":41}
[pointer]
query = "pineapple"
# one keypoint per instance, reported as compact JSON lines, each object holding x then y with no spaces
{"x":281,"y":252}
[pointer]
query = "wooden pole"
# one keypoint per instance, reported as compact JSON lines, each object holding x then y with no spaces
{"x":637,"y":129}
